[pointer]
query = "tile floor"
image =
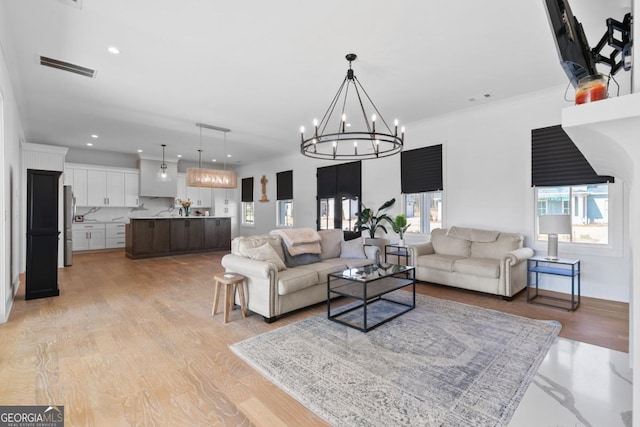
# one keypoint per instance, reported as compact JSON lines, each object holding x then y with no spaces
{"x":578,"y":384}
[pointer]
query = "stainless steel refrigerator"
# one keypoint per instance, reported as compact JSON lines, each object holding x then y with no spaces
{"x":69,"y":207}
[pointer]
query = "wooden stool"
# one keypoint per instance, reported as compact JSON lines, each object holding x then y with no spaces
{"x":229,"y":281}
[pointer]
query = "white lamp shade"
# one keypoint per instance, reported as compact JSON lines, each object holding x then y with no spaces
{"x":554,"y":224}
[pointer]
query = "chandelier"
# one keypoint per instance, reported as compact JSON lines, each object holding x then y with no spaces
{"x":211,"y":178}
{"x":335,"y":138}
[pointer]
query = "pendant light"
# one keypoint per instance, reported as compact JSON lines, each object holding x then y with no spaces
{"x":163,"y":176}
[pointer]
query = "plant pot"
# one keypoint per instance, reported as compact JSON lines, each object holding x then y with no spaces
{"x":401,"y":242}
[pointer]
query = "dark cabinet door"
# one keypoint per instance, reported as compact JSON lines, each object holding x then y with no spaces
{"x":41,"y":276}
{"x":217,"y":233}
{"x":150,"y":237}
{"x":186,"y":235}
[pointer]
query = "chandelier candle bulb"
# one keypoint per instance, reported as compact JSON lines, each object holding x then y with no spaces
{"x":395,"y":123}
{"x":315,"y":125}
{"x":344,"y":119}
{"x":302,"y":133}
{"x":402,"y":136}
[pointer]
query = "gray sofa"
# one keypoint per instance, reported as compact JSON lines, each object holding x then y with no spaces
{"x":273,"y":288}
{"x":470,"y":258}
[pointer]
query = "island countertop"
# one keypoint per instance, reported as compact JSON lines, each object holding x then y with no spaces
{"x":179,"y":217}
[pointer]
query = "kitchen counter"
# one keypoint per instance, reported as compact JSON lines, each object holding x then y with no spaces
{"x":162,"y":236}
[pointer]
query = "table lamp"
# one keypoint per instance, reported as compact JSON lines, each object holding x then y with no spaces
{"x":552,"y":225}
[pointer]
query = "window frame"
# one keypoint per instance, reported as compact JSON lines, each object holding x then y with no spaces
{"x":615,"y":245}
{"x":424,"y":220}
{"x":280,"y":204}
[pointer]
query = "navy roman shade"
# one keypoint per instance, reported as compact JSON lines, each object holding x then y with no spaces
{"x":284,"y":185}
{"x":556,"y":161}
{"x":421,"y":169}
{"x":247,"y":189}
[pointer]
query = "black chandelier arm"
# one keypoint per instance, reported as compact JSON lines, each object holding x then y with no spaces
{"x":372,"y":104}
{"x":327,"y":115}
{"x":364,"y":113}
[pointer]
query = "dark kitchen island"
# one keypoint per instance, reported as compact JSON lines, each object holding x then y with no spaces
{"x":162,"y":236}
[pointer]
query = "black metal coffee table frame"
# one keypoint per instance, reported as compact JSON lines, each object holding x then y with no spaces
{"x":369,"y":285}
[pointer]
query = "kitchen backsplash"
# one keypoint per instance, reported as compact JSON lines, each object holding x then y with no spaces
{"x":149,"y":207}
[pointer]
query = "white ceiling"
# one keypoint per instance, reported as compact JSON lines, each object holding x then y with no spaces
{"x":263,"y":68}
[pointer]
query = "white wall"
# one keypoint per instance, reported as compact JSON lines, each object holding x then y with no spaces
{"x":11,"y":238}
{"x":487,"y":180}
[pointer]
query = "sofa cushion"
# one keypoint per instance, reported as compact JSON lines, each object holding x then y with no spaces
{"x":445,"y":245}
{"x":483,"y":267}
{"x":325,"y":268}
{"x":352,"y":249}
{"x":473,"y":234}
{"x":295,"y":279}
{"x":437,"y":261}
{"x":240,"y":244}
{"x":330,"y":243}
{"x":298,"y":260}
{"x":265,"y":253}
{"x":506,"y":242}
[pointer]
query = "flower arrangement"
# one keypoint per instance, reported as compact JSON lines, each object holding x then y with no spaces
{"x":185,"y":203}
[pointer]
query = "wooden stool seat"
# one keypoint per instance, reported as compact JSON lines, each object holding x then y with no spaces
{"x":229,"y":281}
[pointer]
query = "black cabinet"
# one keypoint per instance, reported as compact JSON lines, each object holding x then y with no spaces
{"x":41,"y":276}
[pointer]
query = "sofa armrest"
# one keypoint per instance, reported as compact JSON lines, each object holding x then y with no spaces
{"x":248,"y":267}
{"x":372,"y":252}
{"x":419,"y":249}
{"x":517,"y":256}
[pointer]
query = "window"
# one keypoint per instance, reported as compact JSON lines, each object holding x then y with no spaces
{"x":423,"y":211}
{"x":284,"y":194}
{"x":421,"y":181}
{"x":588,"y":206}
{"x":338,"y":193}
{"x":248,"y":213}
{"x":566,"y":184}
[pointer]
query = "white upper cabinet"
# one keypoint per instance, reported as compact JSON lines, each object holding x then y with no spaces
{"x":131,"y":189}
{"x":200,"y":196}
{"x":98,"y":187}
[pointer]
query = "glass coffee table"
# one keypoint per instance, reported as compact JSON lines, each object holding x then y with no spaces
{"x":373,"y":289}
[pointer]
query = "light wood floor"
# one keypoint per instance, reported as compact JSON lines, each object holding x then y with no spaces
{"x":133,"y":343}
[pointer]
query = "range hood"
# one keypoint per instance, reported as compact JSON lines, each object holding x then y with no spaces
{"x":150,"y":186}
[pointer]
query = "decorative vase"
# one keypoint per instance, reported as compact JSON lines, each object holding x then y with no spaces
{"x":186,"y":211}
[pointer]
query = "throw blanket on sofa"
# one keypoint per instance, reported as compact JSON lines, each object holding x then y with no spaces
{"x":300,"y":240}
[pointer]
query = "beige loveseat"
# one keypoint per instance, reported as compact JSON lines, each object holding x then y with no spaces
{"x":273,"y":289}
{"x":480,"y":260}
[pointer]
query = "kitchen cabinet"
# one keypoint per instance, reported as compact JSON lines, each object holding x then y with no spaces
{"x":96,"y":186}
{"x":217,"y":233}
{"x":115,"y":235}
{"x":88,"y":237}
{"x":147,"y":237}
{"x":186,"y":234}
{"x":131,"y":189}
{"x":105,"y":188}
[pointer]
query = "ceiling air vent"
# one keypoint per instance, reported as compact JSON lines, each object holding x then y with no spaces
{"x":66,"y":66}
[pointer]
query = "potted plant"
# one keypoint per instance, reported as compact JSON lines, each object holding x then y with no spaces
{"x":400,"y":226}
{"x":372,"y":221}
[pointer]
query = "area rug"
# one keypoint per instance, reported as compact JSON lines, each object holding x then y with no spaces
{"x":441,"y":364}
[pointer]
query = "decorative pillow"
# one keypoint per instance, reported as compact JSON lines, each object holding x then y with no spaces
{"x":330,"y":243}
{"x":266,"y":253}
{"x":352,"y":249}
{"x":296,"y":260}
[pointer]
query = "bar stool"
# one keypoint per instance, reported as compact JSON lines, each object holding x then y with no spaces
{"x":229,"y":281}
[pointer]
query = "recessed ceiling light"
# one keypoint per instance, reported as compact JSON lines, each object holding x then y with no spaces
{"x":94,"y":136}
{"x":228,"y":155}
{"x":213,"y":160}
{"x":114,"y":50}
{"x":179,"y":155}
{"x":139,"y":151}
{"x":90,"y":144}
